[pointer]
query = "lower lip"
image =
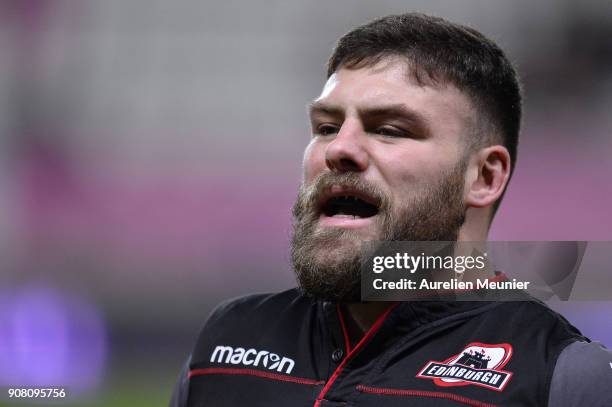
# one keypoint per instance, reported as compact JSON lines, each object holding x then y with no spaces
{"x":348,"y":223}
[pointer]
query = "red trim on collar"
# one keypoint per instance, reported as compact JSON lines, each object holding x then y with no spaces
{"x":366,"y":338}
{"x":347,"y":342}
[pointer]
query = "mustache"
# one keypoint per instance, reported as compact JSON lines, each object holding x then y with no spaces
{"x":309,"y":196}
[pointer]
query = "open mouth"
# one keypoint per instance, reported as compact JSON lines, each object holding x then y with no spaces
{"x":346,"y":204}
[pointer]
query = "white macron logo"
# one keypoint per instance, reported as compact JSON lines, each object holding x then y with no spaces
{"x":252,"y":357}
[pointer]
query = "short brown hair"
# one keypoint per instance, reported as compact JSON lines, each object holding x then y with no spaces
{"x":439,"y":52}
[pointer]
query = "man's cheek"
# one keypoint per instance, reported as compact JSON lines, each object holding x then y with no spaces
{"x":314,"y":160}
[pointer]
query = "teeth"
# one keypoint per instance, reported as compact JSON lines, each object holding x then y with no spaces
{"x":348,"y":198}
{"x":347,"y":216}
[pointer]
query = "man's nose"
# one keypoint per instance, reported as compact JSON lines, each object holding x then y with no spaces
{"x":347,"y":151}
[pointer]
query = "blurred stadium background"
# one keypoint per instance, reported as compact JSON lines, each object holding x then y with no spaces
{"x":150,"y":152}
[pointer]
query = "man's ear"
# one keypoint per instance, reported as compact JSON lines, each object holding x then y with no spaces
{"x":487,"y":176}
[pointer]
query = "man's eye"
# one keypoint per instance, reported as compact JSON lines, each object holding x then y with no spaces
{"x":390,"y":132}
{"x":326,"y":130}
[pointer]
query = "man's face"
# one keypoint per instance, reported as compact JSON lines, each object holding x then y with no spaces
{"x":386,"y":162}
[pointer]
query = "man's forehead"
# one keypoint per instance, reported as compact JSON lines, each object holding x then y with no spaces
{"x":367,"y":78}
{"x":391,"y":82}
{"x":329,"y":86}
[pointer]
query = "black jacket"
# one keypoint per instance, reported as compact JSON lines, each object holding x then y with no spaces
{"x":290,"y":350}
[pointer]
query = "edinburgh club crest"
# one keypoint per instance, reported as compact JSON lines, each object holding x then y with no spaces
{"x":479,"y":364}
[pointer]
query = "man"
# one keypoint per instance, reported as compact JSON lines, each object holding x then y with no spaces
{"x":414,"y":138}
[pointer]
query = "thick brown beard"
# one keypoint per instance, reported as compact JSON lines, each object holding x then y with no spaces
{"x":324,"y":273}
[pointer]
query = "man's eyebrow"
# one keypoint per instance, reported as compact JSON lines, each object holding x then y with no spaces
{"x":320,"y":107}
{"x":398,"y":110}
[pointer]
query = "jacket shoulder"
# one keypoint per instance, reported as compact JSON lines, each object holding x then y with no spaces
{"x":536,"y":317}
{"x":254,"y":315}
{"x":256,"y":306}
{"x":582,"y":376}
